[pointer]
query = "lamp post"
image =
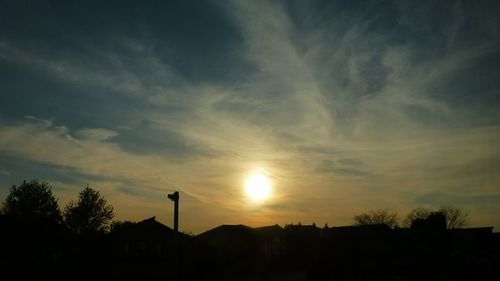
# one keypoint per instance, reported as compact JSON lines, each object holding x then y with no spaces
{"x":175,"y":197}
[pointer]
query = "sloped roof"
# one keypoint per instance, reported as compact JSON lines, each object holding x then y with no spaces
{"x":352,"y":228}
{"x":149,"y":227}
{"x":269,"y":229}
{"x":153,"y":224}
{"x":226,"y":229}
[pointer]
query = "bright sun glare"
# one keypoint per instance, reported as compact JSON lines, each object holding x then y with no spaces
{"x":258,"y":187}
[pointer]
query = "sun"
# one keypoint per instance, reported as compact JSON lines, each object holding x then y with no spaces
{"x":258,"y":187}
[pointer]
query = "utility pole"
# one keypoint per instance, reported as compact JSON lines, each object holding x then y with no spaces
{"x":175,"y":197}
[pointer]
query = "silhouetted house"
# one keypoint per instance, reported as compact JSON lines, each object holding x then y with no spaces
{"x":224,"y":234}
{"x":436,"y":221}
{"x":146,"y":239}
{"x":366,"y":240}
{"x":300,"y":252}
{"x":302,"y":242}
{"x":471,"y":239}
{"x":147,"y":249}
{"x":31,"y":245}
{"x":472,"y":253}
{"x":224,"y":248}
{"x":239,"y":252}
{"x":353,"y":252}
{"x":495,"y":248}
{"x":271,"y":240}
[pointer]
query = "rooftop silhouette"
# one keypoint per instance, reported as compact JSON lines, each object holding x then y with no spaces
{"x":149,"y":250}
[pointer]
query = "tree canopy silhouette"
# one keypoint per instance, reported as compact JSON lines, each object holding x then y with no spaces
{"x":382,"y":216}
{"x":90,"y":214}
{"x":32,"y":200}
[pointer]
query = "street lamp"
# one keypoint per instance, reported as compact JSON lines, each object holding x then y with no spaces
{"x":175,"y":197}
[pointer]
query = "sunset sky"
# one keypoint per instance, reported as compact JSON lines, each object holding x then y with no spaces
{"x":343,"y":106}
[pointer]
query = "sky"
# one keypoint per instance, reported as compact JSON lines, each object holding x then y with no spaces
{"x":346,"y":106}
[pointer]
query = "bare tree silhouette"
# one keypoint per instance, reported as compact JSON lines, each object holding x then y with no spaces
{"x":381,"y":216}
{"x":417,"y":213}
{"x":455,"y":217}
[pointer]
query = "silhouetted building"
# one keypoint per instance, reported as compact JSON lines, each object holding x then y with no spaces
{"x":223,"y":248}
{"x":147,"y":249}
{"x":28,"y":246}
{"x":271,"y":239}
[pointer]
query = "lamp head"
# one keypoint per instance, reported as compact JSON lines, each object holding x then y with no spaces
{"x":174,"y":196}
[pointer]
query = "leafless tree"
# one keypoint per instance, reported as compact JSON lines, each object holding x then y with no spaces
{"x":455,"y":217}
{"x":381,"y":216}
{"x":417,"y":213}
